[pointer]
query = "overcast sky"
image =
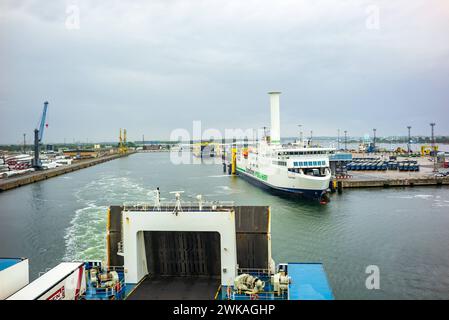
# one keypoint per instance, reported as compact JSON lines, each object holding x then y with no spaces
{"x":153,"y":66}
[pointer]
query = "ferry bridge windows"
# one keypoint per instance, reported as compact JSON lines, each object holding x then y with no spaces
{"x":307,"y":163}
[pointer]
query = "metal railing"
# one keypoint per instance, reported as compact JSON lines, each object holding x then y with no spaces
{"x":185,"y":206}
{"x":115,"y":291}
{"x":263,"y":274}
{"x":254,"y":271}
{"x":107,"y":292}
{"x":113,"y":268}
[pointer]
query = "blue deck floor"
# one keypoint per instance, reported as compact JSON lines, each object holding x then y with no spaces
{"x":309,"y":282}
{"x":8,"y":262}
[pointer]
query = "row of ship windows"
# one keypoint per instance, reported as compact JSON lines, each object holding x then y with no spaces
{"x":301,"y":163}
{"x":309,"y":163}
{"x":296,"y":153}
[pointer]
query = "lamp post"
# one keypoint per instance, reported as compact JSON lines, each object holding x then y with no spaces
{"x":408,"y":142}
{"x":434,"y":153}
{"x":346,"y":140}
{"x":338,"y":139}
{"x":374,"y":139}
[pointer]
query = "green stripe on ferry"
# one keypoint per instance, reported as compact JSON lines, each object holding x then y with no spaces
{"x":255,"y":173}
{"x":261,"y":176}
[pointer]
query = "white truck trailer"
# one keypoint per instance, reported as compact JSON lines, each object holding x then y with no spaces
{"x":66,"y":281}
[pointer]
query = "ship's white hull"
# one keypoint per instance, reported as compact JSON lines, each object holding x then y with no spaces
{"x":282,"y":178}
{"x":297,"y":185}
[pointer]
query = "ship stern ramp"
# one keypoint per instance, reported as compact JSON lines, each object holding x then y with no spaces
{"x":188,"y":254}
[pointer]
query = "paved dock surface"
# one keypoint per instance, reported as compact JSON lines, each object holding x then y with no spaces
{"x":361,"y":179}
{"x":178,"y":288}
{"x":395,"y":178}
{"x":21,"y":180}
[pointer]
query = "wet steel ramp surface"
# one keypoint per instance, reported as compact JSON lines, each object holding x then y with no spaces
{"x":176,"y":288}
{"x":181,"y":253}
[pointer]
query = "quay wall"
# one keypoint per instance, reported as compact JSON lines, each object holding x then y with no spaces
{"x":18,"y":181}
{"x":431,"y":181}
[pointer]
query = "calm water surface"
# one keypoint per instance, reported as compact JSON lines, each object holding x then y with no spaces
{"x":405,"y":232}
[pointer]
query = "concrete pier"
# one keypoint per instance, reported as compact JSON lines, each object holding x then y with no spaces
{"x":398,"y":182}
{"x":18,"y":181}
{"x":394,"y":178}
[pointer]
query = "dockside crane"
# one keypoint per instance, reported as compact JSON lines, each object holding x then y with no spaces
{"x":122,"y":142}
{"x":38,"y":135}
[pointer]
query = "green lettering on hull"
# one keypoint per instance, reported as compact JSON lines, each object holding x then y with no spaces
{"x":259,"y":175}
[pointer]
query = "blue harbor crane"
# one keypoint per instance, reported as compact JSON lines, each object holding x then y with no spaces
{"x":38,"y":135}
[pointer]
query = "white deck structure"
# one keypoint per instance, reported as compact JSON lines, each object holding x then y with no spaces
{"x":199,"y":219}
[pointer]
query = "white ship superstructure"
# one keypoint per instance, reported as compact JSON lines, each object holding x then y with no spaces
{"x":179,"y":250}
{"x":293,"y":168}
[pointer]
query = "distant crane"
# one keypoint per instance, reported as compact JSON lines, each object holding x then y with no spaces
{"x":38,"y":135}
{"x":122,"y":142}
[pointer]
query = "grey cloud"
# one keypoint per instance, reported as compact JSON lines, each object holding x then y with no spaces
{"x":153,"y":66}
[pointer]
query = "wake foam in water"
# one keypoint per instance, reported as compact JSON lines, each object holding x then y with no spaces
{"x":85,"y":239}
{"x":424,"y":196}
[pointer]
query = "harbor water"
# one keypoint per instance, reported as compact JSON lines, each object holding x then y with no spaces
{"x":402,"y":231}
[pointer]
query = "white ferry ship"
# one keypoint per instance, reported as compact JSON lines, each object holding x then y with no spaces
{"x":175,"y":250}
{"x":297,"y":168}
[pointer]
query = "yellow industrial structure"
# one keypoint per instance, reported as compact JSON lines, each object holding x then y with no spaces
{"x":400,"y":150}
{"x":122,"y":147}
{"x":427,"y":150}
{"x":234,"y":160}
